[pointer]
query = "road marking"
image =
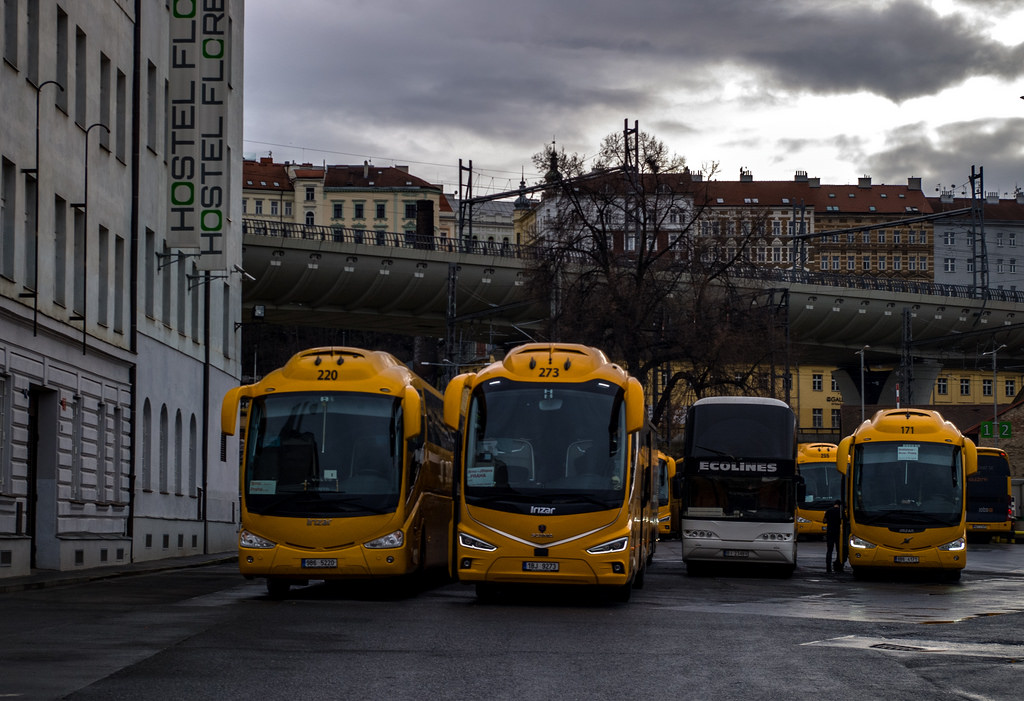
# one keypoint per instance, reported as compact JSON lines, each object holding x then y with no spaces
{"x":1014,"y":653}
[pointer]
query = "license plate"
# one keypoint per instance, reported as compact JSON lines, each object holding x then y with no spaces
{"x":319,"y":562}
{"x":540,"y":566}
{"x":735,"y":553}
{"x":979,"y":527}
{"x":906,"y":559}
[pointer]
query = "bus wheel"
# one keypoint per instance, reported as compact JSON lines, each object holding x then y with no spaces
{"x":638,"y":579}
{"x":277,"y":588}
{"x":695,"y":568}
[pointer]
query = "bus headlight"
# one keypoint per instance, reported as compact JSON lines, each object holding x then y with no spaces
{"x":776,"y":536}
{"x":251,"y":540}
{"x":664,"y":518}
{"x":391,"y":540}
{"x":612,"y":546}
{"x":958,"y":544}
{"x":695,"y":533}
{"x":468,"y":541}
{"x":856,"y":542}
{"x":801,"y":519}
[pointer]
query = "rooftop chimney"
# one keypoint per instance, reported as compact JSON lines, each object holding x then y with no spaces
{"x":913,"y":183}
{"x":366,"y":169}
{"x":746,"y":176}
{"x":864,"y":182}
{"x":800,"y":177}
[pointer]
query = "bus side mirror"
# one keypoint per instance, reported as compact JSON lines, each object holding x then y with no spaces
{"x":412,"y":413}
{"x":843,"y":454}
{"x":634,"y":405}
{"x":229,"y":408}
{"x":453,"y":399}
{"x":677,"y":485}
{"x":970,"y":457}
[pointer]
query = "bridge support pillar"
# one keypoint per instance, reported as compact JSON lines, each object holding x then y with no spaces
{"x":880,"y":385}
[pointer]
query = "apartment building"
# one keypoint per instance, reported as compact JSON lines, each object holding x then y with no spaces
{"x":367,"y":199}
{"x":989,"y":244}
{"x":118,"y":293}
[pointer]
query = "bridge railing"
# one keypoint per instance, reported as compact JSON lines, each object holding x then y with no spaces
{"x":374,"y":237}
{"x":413,"y":240}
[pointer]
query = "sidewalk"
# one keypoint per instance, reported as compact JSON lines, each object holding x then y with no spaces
{"x":42,"y":579}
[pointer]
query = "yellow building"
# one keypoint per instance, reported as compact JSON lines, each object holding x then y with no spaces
{"x":366,"y":198}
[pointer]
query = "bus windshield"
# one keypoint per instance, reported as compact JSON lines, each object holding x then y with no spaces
{"x":824,"y":484}
{"x":907,"y":484}
{"x":987,"y":490}
{"x":739,"y":498}
{"x":323,"y":454}
{"x":531,"y":444}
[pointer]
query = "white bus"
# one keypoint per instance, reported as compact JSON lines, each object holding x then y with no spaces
{"x":740,"y":485}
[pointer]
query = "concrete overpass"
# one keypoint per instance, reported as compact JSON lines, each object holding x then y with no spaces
{"x":388,"y":282}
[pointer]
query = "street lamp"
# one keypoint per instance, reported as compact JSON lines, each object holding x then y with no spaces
{"x":995,"y":396}
{"x":35,"y":255}
{"x":85,"y":237}
{"x":861,"y":354}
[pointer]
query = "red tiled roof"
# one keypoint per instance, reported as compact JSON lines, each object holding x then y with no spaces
{"x":370,"y":176}
{"x":265,"y":175}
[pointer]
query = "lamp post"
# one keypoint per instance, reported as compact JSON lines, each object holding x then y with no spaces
{"x":995,"y":396}
{"x":861,"y":354}
{"x":85,"y":238}
{"x":35,"y":251}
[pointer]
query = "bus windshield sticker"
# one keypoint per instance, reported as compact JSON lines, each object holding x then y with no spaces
{"x":263,"y":487}
{"x":480,"y":476}
{"x":907,"y":451}
{"x":330,"y":474}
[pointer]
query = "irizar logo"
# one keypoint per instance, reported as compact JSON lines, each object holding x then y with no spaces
{"x":715,"y":466}
{"x":545,"y":510}
{"x":318,"y":521}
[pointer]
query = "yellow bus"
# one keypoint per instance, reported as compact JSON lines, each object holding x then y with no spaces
{"x":346,"y":470}
{"x":668,"y":497}
{"x":989,"y":510}
{"x":906,"y":483}
{"x":816,"y":463}
{"x":555,"y":480}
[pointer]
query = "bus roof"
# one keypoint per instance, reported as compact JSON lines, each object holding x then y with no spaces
{"x":767,"y":401}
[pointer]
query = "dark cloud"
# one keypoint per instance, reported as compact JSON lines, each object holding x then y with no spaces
{"x":485,"y":79}
{"x":946,"y":158}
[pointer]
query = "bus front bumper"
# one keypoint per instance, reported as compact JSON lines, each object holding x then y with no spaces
{"x":355,"y":562}
{"x":925,"y":558}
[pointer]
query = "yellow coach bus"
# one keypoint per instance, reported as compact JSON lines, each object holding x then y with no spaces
{"x":346,"y":470}
{"x":555,"y":481}
{"x":989,"y":496}
{"x":816,"y":463}
{"x":668,"y":497}
{"x":906,"y":481}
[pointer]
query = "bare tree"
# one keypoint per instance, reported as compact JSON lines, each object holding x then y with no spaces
{"x":635,"y":262}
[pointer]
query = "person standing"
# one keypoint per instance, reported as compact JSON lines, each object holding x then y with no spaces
{"x":833,"y":529}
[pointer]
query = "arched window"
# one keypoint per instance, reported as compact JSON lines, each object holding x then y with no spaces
{"x":164,"y":440}
{"x":309,"y":219}
{"x":179,"y":454}
{"x":147,"y":446}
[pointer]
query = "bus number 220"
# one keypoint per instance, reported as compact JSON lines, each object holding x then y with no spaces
{"x":327,"y":374}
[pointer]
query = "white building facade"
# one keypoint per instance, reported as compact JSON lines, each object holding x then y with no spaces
{"x":118,"y":332}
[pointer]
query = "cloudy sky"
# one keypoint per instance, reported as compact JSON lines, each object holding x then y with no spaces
{"x":839,"y":89}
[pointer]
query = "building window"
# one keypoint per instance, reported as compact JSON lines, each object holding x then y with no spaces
{"x":835,"y":385}
{"x":986,"y":388}
{"x":817,"y":418}
{"x":287,"y":209}
{"x":949,"y":238}
{"x":881,"y":236}
{"x":867,"y":263}
{"x":245,"y":205}
{"x":1010,"y":388}
{"x":897,"y":263}
{"x":816,"y":382}
{"x":339,"y":210}
{"x":942,"y":386}
{"x":259,"y":206}
{"x":923,"y":262}
{"x":310,"y":194}
{"x":881,"y":263}
{"x":410,"y":210}
{"x":965,"y":387}
{"x":273,"y":207}
{"x":851,"y":263}
{"x":310,"y":219}
{"x":896,"y":236}
{"x":837,"y":418}
{"x":380,"y":210}
{"x":358,"y":213}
